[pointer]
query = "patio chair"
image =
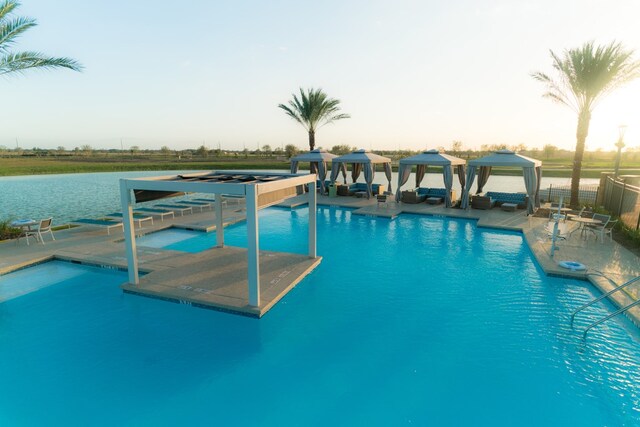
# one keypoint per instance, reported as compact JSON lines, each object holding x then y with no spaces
{"x":43,"y":227}
{"x":599,"y":229}
{"x":381,"y":198}
{"x":603,"y":230}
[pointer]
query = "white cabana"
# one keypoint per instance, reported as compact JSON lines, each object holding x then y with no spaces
{"x":433,"y":158}
{"x":318,"y":160}
{"x":361,"y":160}
{"x":531,"y":168}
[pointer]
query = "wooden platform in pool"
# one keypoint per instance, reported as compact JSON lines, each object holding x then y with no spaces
{"x":217,"y":279}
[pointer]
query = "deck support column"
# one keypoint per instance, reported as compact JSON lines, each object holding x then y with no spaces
{"x":253,"y":245}
{"x":129,"y":233}
{"x":312,"y":219}
{"x":219,"y":221}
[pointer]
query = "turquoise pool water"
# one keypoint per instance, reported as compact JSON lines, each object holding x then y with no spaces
{"x":417,"y":320}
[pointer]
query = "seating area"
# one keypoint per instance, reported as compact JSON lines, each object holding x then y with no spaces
{"x":421,"y":194}
{"x":499,"y":198}
{"x":359,"y":187}
{"x":482,"y":202}
{"x":511,"y":201}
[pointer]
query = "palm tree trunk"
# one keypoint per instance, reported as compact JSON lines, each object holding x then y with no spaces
{"x":581,"y":136}
{"x":312,"y":140}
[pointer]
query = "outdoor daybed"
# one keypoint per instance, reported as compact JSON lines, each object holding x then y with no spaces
{"x":519,"y":199}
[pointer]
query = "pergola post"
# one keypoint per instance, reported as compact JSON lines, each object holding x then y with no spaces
{"x":219,"y":221}
{"x":253,"y":245}
{"x":129,"y":236}
{"x":312,"y":219}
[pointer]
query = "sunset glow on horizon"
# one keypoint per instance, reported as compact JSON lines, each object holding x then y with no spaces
{"x":412,"y":75}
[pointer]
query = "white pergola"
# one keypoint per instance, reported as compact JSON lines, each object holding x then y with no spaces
{"x":260,"y":190}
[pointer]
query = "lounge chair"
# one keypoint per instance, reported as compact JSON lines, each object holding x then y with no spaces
{"x":177,"y":208}
{"x":197,"y":204}
{"x":381,"y":198}
{"x":212,"y":201}
{"x":99,"y":223}
{"x":140,"y":218}
{"x":43,"y":227}
{"x":156,"y":212}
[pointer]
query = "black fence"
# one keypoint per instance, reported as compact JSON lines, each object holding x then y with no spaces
{"x":622,"y":200}
{"x":587,"y":194}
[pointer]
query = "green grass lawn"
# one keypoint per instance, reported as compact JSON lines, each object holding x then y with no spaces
{"x":15,"y":165}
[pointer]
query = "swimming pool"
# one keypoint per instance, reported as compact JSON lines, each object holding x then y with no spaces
{"x":417,"y":320}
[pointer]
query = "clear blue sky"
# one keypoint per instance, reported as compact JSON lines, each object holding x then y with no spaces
{"x":412,"y":74}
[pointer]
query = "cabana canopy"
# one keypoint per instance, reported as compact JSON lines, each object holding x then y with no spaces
{"x":318,"y":160}
{"x":362,"y":160}
{"x":434,"y":158}
{"x":531,"y":168}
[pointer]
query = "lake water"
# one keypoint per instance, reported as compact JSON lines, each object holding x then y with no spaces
{"x":67,"y":197}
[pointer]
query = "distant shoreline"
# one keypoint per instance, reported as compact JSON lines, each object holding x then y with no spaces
{"x":48,"y":166}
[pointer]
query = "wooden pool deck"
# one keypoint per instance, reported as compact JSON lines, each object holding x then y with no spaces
{"x":217,"y":279}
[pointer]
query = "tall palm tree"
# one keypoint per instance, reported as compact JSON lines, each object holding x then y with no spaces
{"x":18,"y":62}
{"x":312,"y":110}
{"x":584,"y":76}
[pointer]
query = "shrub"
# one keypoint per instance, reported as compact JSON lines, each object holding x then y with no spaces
{"x":8,"y":232}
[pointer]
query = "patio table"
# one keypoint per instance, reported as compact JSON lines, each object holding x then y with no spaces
{"x":585,"y":221}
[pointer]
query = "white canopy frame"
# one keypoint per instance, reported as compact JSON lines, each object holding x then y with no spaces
{"x":531,"y":170}
{"x":362,"y":160}
{"x":261,"y":185}
{"x":433,"y":158}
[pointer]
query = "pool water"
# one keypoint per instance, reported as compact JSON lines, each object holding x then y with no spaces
{"x":417,"y":320}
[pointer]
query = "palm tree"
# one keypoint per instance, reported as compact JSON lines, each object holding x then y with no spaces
{"x":313,"y":110}
{"x":17,"y":62}
{"x":585,"y":76}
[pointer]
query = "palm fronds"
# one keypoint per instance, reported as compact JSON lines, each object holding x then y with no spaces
{"x":12,"y":62}
{"x":20,"y":62}
{"x":588,"y":73}
{"x":313,"y":109}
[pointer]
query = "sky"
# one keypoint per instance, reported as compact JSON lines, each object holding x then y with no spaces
{"x":412,"y":74}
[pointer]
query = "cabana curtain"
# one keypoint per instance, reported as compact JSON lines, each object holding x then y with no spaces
{"x":388,"y":174}
{"x":447,"y":173}
{"x":403,"y":176}
{"x":420,"y":171}
{"x":531,"y":184}
{"x":483,"y":177}
{"x":471,"y":176}
{"x":461,"y":175}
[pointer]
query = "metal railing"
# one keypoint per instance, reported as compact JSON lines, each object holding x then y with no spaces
{"x":600,"y":298}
